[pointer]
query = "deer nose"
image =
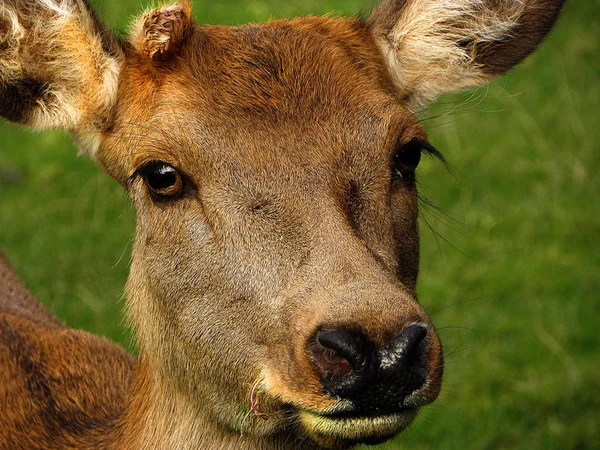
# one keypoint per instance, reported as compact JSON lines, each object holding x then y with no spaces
{"x":376,"y":379}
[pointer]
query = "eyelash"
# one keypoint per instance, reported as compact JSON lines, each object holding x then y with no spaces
{"x":408,"y":155}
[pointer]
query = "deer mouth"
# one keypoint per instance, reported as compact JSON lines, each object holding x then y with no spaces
{"x":338,"y":431}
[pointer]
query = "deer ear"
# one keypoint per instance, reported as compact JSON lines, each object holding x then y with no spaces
{"x":159,"y":33}
{"x":59,"y":68}
{"x":437,"y":46}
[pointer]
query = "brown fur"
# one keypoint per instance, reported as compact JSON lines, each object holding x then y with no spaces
{"x":290,"y":221}
{"x":16,"y":299}
{"x":60,"y":388}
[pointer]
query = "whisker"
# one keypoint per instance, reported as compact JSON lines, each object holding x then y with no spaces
{"x":461,"y":302}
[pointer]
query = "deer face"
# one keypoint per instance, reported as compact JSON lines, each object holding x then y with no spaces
{"x":276,"y":199}
{"x":273,"y":172}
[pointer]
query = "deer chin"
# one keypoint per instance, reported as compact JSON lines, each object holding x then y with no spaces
{"x":339,"y":431}
{"x":334,"y":424}
{"x":331,"y":423}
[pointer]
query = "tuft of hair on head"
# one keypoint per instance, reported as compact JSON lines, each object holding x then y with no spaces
{"x":159,"y":33}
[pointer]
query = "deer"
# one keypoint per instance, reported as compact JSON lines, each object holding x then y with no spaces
{"x":272,"y":288}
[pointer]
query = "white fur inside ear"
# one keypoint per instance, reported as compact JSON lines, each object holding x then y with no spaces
{"x":12,"y":39}
{"x":61,"y":7}
{"x":15,"y":31}
{"x":429,"y":49}
{"x":60,"y":46}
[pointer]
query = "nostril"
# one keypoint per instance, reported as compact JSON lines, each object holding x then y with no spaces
{"x":332,"y":357}
{"x":405,"y":349}
{"x":342,"y":347}
{"x":331,"y":361}
{"x":346,"y":359}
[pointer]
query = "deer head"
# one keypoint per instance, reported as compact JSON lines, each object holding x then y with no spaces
{"x":272,"y":168}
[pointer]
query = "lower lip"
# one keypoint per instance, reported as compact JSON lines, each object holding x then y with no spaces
{"x":356,"y":429}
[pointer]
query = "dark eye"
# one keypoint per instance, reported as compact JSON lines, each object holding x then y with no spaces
{"x":407,"y":159}
{"x":163,"y":181}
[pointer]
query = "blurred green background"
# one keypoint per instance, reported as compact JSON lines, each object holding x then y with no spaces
{"x":510,"y":268}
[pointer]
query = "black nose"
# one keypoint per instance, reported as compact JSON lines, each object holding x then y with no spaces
{"x":375,"y":379}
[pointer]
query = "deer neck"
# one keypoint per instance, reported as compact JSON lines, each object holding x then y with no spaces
{"x":158,"y":416}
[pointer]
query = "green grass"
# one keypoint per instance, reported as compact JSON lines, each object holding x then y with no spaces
{"x":511,"y":276}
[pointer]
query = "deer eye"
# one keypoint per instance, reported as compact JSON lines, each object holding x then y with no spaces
{"x":407,"y":159}
{"x":408,"y":156}
{"x":164,"y":181}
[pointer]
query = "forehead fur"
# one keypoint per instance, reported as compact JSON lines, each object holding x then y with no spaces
{"x":277,"y":79}
{"x":278,"y":66}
